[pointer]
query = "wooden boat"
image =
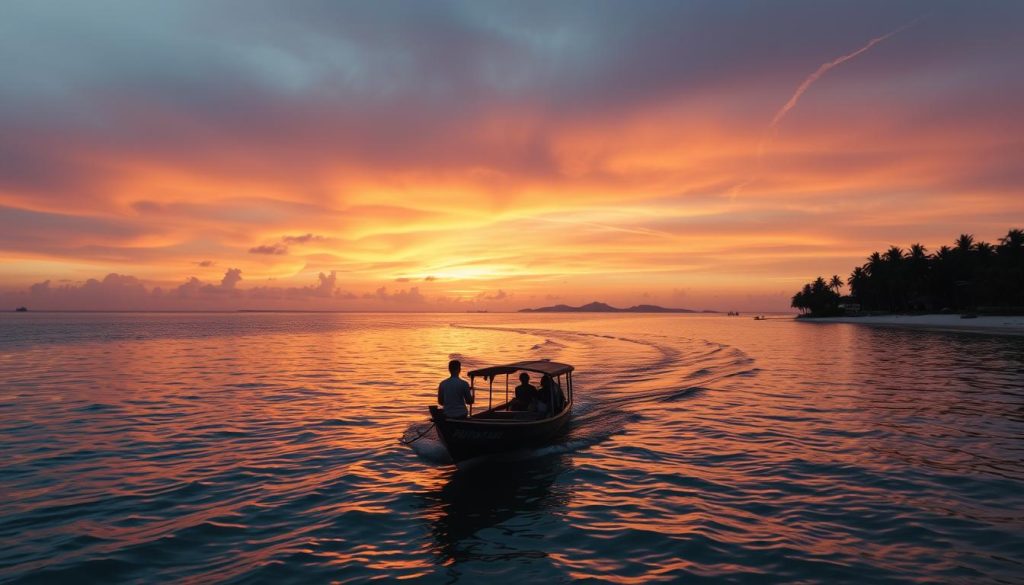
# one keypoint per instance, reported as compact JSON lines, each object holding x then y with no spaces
{"x":499,"y":429}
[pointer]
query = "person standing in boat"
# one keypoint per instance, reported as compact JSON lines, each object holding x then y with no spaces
{"x":526,"y":394}
{"x":454,"y":393}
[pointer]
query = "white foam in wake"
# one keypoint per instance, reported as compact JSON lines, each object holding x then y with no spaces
{"x":423,"y":440}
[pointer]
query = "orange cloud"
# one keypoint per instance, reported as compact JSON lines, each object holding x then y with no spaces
{"x":493,"y":165}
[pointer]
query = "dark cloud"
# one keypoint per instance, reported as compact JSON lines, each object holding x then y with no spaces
{"x":497,"y":296}
{"x":115,"y":291}
{"x":288,"y":90}
{"x":232,"y":277}
{"x":406,"y":297}
{"x":134,"y":133}
{"x":325,"y":288}
{"x":281,"y":248}
{"x":194,"y":288}
{"x":304,"y":239}
{"x":276,"y":249}
{"x":124,"y":292}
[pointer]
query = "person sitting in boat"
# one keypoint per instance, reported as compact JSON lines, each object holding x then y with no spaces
{"x":526,"y":394}
{"x":454,"y":393}
{"x":550,"y":396}
{"x":543,"y":404}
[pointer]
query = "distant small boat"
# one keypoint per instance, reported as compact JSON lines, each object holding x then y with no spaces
{"x":21,"y":310}
{"x":759,"y":318}
{"x":499,"y":429}
{"x":733,"y":313}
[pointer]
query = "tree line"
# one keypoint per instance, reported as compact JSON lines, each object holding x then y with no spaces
{"x":967,"y":276}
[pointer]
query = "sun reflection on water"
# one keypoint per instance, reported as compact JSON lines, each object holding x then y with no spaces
{"x":265,"y":447}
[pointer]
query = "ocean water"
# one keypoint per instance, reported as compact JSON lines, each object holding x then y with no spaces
{"x":265,"y":448}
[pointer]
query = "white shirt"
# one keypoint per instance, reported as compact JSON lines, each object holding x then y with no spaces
{"x":454,"y":394}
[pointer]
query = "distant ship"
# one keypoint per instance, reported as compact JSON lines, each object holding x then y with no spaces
{"x":21,"y":309}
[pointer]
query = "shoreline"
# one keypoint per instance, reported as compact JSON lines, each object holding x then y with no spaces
{"x":1009,"y":325}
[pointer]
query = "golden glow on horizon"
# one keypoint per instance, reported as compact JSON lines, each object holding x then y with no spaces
{"x":662,"y":197}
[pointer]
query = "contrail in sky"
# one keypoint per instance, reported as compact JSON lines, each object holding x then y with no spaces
{"x":805,"y":85}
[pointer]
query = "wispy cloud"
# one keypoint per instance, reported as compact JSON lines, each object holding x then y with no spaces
{"x":773,"y":126}
{"x":270,"y":249}
{"x":475,"y":147}
{"x":822,"y":70}
{"x":303,"y":239}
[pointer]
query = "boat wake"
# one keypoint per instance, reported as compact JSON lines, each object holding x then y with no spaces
{"x":422,"y":438}
{"x":619,"y":380}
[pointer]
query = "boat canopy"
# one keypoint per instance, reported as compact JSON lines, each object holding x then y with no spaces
{"x":540,"y":366}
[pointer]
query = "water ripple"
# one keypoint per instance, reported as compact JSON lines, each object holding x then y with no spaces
{"x":247,"y":448}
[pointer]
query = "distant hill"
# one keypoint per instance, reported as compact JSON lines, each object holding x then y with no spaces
{"x":597,"y":307}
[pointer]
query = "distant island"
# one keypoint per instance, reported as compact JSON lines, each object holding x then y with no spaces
{"x":597,"y":307}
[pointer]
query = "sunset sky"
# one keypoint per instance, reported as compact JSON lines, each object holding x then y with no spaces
{"x":484,"y":155}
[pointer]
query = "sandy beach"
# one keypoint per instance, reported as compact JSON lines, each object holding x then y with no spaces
{"x":1012,"y":325}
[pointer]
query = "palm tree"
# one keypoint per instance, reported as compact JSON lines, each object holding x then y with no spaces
{"x":858,"y":282}
{"x":802,"y":299}
{"x":963,"y":270}
{"x":918,"y":252}
{"x":817,"y":298}
{"x":943,"y":269}
{"x":876,"y":274}
{"x":1011,"y":268}
{"x":836,"y":283}
{"x":987,"y":274}
{"x":873,"y":264}
{"x":965,"y":242}
{"x":1014,"y":239}
{"x":894,"y":285}
{"x":894,"y":255}
{"x":917,"y":272}
{"x":970,"y":273}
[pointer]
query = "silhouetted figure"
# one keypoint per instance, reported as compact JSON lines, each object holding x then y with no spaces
{"x":550,"y":398}
{"x":526,"y":394}
{"x":454,"y":393}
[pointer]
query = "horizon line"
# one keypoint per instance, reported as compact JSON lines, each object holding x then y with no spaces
{"x":700,"y":312}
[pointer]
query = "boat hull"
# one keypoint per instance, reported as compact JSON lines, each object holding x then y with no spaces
{"x":470,"y":438}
